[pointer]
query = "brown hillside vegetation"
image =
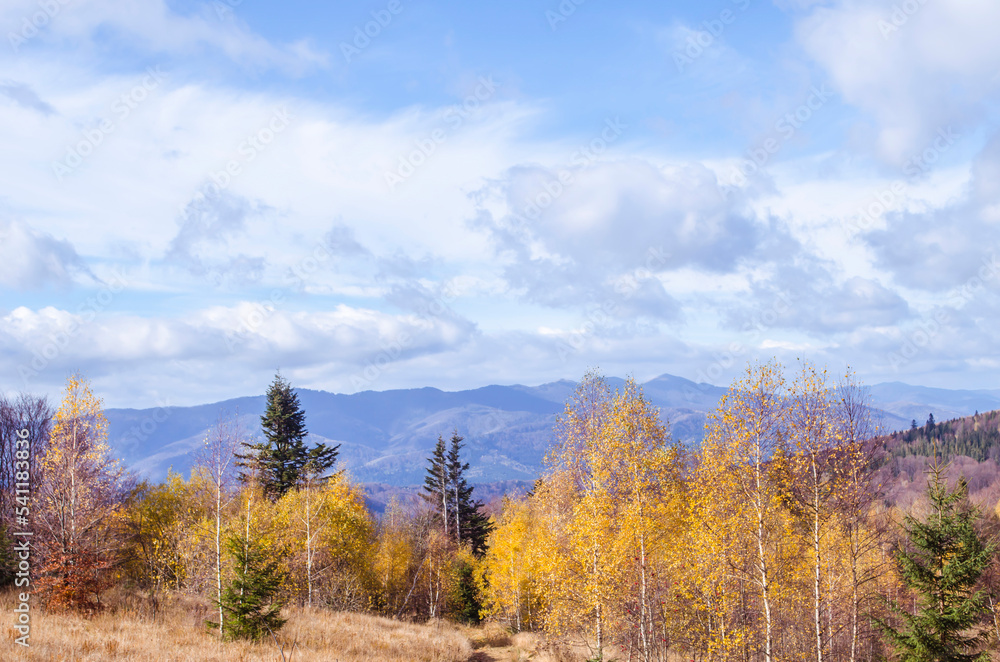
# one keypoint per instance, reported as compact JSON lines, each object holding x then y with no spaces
{"x":316,"y":634}
{"x":970,"y":446}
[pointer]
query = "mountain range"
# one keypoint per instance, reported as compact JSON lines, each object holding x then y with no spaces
{"x":386,"y":436}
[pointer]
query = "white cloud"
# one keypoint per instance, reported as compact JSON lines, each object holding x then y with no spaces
{"x":913,"y":71}
{"x":32,"y":259}
{"x":152,"y":27}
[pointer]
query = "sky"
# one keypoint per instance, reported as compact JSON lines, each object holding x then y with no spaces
{"x":398,"y":193}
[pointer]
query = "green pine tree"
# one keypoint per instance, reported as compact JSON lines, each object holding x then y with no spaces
{"x":282,"y":459}
{"x":945,"y":561}
{"x":471,"y":526}
{"x":436,"y":484}
{"x":249,"y":602}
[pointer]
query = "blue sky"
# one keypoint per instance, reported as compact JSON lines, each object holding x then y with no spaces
{"x":194,"y":194}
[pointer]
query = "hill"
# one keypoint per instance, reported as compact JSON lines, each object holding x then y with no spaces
{"x":385,"y":436}
{"x":969,"y":445}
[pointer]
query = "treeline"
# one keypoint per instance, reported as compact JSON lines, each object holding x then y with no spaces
{"x":262,"y":520}
{"x":977,"y":437}
{"x":771,"y":541}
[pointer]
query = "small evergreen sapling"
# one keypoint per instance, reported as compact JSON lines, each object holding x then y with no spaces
{"x":249,"y":602}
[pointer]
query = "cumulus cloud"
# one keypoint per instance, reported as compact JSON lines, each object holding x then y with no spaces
{"x":43,"y":345}
{"x":806,"y":298}
{"x":913,"y":67}
{"x":32,"y":260}
{"x":940,"y":248}
{"x":584,"y":235}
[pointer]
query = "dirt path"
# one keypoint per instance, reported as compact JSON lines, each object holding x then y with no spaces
{"x":505,"y":654}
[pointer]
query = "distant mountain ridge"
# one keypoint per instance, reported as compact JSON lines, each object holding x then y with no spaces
{"x":386,"y":436}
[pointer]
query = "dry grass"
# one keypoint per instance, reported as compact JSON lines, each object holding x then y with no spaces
{"x":128,"y":631}
{"x":494,"y":643}
{"x":126,"y":634}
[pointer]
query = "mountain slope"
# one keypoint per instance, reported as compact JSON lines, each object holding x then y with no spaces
{"x":385,"y":436}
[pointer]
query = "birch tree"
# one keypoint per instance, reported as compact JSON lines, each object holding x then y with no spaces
{"x":745,"y":436}
{"x":218,"y":461}
{"x":79,"y":502}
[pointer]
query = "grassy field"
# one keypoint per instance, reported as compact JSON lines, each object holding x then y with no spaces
{"x":177,"y":634}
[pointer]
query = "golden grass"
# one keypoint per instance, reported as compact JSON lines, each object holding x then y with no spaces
{"x":127,"y":631}
{"x":176,"y":635}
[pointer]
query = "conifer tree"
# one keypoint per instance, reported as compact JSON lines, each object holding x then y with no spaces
{"x":249,"y":601}
{"x":283,"y":458}
{"x":471,"y":526}
{"x":449,"y":493}
{"x":436,"y":483}
{"x":942,"y":566}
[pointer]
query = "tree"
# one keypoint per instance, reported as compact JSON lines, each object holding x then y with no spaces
{"x":216,"y":460}
{"x":741,"y":453}
{"x":25,"y":412}
{"x":437,"y":482}
{"x":511,"y":566}
{"x":155,"y":526}
{"x":281,"y":460}
{"x":328,"y":533}
{"x":577,"y":496}
{"x":856,"y":494}
{"x":472,"y":527}
{"x":79,"y":502}
{"x":942,"y":566}
{"x":450,"y":495}
{"x":813,"y":431}
{"x":250,"y":599}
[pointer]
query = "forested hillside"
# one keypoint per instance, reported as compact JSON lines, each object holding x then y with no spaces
{"x":777,"y":538}
{"x":969,"y":445}
{"x":977,"y":437}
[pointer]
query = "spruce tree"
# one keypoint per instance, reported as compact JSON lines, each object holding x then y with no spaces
{"x":944,"y":562}
{"x":449,"y":493}
{"x":249,"y":602}
{"x":437,"y":482}
{"x":471,"y":526}
{"x":283,"y":458}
